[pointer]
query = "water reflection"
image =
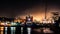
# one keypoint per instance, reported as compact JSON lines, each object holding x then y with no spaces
{"x":13,"y":30}
{"x":29,"y":30}
{"x":2,"y":29}
{"x":5,"y":30}
{"x":42,"y":30}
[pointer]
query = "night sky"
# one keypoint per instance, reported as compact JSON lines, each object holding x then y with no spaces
{"x":24,"y":7}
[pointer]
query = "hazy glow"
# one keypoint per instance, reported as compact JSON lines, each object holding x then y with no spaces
{"x":38,"y":16}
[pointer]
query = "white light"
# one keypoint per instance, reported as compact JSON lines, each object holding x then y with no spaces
{"x":29,"y":30}
{"x":29,"y":19}
{"x":12,"y":30}
{"x":5,"y":30}
{"x":13,"y":23}
{"x":21,"y":30}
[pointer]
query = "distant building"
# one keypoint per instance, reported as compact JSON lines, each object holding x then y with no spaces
{"x":29,"y":20}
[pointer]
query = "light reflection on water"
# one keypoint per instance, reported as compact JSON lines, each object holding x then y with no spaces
{"x":13,"y":29}
{"x":5,"y":30}
{"x":45,"y":30}
{"x":1,"y":30}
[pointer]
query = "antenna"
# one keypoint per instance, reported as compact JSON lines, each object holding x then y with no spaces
{"x":45,"y":8}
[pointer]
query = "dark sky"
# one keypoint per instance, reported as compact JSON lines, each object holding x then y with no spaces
{"x":24,"y":7}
